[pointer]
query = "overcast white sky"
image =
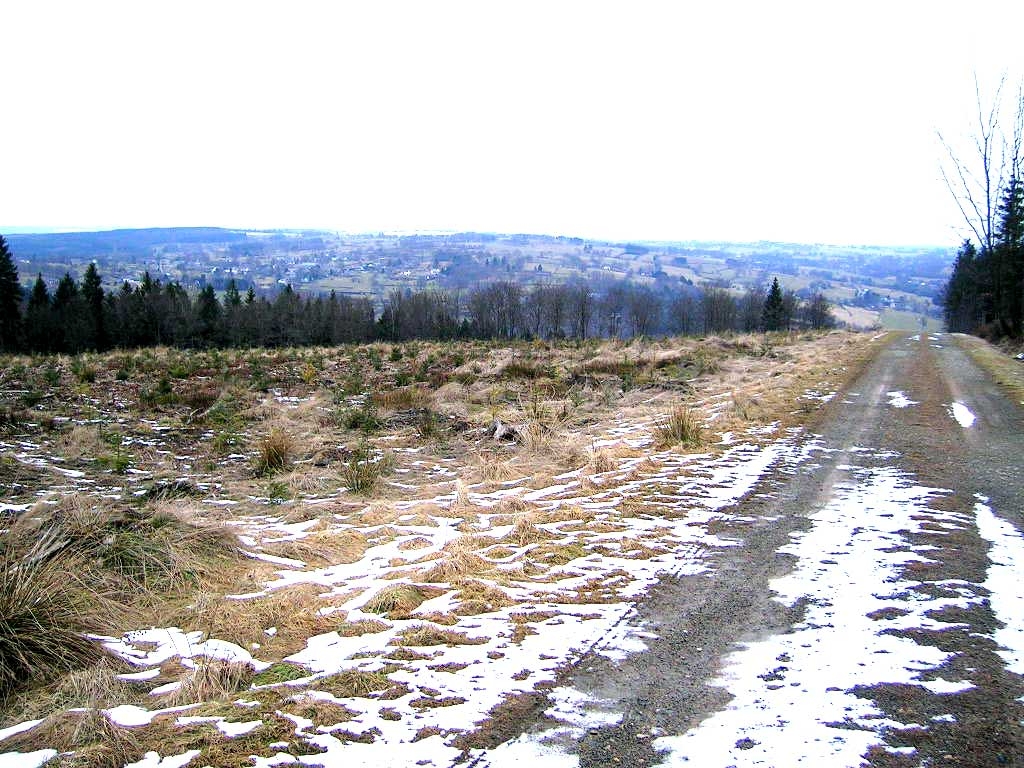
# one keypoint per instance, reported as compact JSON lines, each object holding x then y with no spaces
{"x":810,"y":122}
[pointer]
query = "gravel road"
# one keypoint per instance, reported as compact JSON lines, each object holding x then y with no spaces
{"x":867,"y":614}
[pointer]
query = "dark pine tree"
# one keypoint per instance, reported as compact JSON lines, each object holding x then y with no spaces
{"x":1010,"y":248}
{"x":773,"y":316}
{"x":39,"y":318}
{"x":10,"y":301}
{"x":92,"y":294}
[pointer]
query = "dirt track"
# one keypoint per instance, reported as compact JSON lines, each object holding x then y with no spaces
{"x":899,"y":492}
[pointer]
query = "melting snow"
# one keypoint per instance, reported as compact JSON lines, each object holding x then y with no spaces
{"x":1005,"y":575}
{"x":899,"y":400}
{"x":962,"y":414}
{"x":27,"y":759}
{"x":153,"y":760}
{"x":848,"y":568}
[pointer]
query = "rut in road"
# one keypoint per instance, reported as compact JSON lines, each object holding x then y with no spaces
{"x":867,"y":615}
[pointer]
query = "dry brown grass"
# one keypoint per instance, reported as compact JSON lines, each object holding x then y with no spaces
{"x":1007,"y":372}
{"x":417,"y":542}
{"x":346,"y":546}
{"x":601,"y":461}
{"x":681,"y":427}
{"x":292,"y":610}
{"x":83,"y":442}
{"x":211,"y":680}
{"x":429,"y":635}
{"x":563,"y":513}
{"x":324,"y":714}
{"x":96,"y":686}
{"x":477,"y":597}
{"x":274,"y":452}
{"x":399,"y":600}
{"x":361,"y":627}
{"x":403,"y":398}
{"x":488,"y":467}
{"x":95,"y":740}
{"x":352,"y":683}
{"x":455,"y":565}
{"x":379,"y":513}
{"x":526,"y":532}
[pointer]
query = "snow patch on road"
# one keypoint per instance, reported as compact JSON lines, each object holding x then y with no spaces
{"x":899,"y":400}
{"x":1005,"y":575}
{"x":962,"y":414}
{"x":849,"y":568}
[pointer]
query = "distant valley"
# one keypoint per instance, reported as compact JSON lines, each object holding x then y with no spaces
{"x":867,"y":285}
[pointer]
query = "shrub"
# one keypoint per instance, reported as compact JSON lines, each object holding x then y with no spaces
{"x":428,"y":425}
{"x":274,"y":452}
{"x":83,"y":371}
{"x":364,"y":418}
{"x":362,"y":470}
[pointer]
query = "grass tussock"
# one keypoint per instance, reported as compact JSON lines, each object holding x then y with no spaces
{"x":682,"y":427}
{"x":403,"y":398}
{"x":274,"y":452}
{"x":601,"y":461}
{"x":45,"y":611}
{"x":458,"y":560}
{"x":321,"y":547}
{"x":399,"y":600}
{"x":525,"y":532}
{"x":82,"y":442}
{"x":212,"y":680}
{"x":363,"y":470}
{"x":361,"y":627}
{"x":476,"y":597}
{"x":353,"y":683}
{"x":95,"y":741}
{"x":429,"y":635}
{"x":293,"y":611}
{"x":489,"y":468}
{"x":151,"y":550}
{"x":324,"y":714}
{"x":96,"y":686}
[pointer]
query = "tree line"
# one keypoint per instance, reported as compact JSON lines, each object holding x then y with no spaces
{"x":985,"y":293}
{"x":80,"y":316}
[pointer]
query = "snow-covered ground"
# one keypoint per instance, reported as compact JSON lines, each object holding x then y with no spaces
{"x":792,"y":700}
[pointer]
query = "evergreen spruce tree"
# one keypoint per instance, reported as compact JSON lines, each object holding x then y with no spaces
{"x":92,"y":293}
{"x":232,"y":298}
{"x":1010,"y":248}
{"x":773,"y":316}
{"x":69,"y":317}
{"x":10,"y":301}
{"x":39,"y":318}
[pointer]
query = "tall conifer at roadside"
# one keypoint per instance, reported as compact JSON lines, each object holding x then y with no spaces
{"x":10,"y":301}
